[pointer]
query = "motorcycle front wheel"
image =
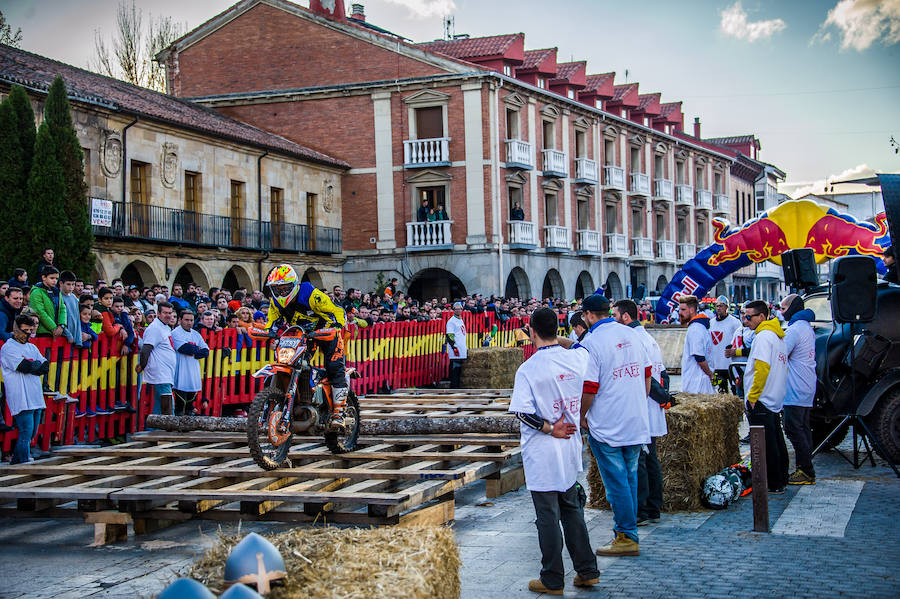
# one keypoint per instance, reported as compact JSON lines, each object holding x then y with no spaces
{"x":344,"y":442}
{"x":268,"y":454}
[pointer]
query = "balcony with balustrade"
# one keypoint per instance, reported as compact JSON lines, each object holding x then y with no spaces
{"x":721,"y":205}
{"x":555,"y":163}
{"x":586,"y":171}
{"x":556,"y":239}
{"x":642,"y":249}
{"x":769,"y":270}
{"x":684,"y":195}
{"x":590,"y":243}
{"x":686,"y":251}
{"x":518,"y":154}
{"x":616,"y":245}
{"x":640,"y":184}
{"x":522,"y":235}
{"x":665,"y":250}
{"x":429,"y":236}
{"x":423,"y":153}
{"x":664,"y":189}
{"x":704,"y":199}
{"x":614,"y":177}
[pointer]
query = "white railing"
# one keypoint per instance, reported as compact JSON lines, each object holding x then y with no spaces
{"x":586,"y":170}
{"x":589,"y":241}
{"x":614,"y":176}
{"x":665,"y":250}
{"x":704,"y":199}
{"x":427,"y":234}
{"x":640,"y":184}
{"x":642,"y":247}
{"x":664,"y":189}
{"x":722,"y":204}
{"x":424,"y":152}
{"x":684,"y":195}
{"x":519,"y":152}
{"x":686,"y":251}
{"x":555,"y":162}
{"x":521,"y":231}
{"x":616,"y":244}
{"x":556,"y":237}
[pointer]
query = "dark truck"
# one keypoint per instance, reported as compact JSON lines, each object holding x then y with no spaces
{"x":876,"y":370}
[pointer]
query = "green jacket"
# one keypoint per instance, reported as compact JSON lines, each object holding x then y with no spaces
{"x":43,"y":305}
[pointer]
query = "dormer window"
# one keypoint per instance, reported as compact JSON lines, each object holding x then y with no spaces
{"x":571,"y":94}
{"x":542,"y":83}
{"x":646,"y":122}
{"x":507,"y":70}
{"x":624,"y":113}
{"x":598,"y":104}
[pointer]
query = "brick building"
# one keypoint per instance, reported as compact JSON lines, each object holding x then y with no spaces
{"x":613,"y":193}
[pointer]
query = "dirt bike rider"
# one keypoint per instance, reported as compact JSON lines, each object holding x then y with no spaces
{"x":294,"y":302}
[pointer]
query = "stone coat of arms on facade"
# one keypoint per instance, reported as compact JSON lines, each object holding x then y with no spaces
{"x":111,"y":153}
{"x":169,"y":164}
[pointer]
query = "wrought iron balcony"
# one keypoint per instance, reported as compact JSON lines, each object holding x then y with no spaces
{"x":556,"y":238}
{"x":522,"y":234}
{"x":589,"y":242}
{"x":684,"y":195}
{"x":704,"y":199}
{"x":586,"y":171}
{"x":686,"y":251}
{"x":434,"y":235}
{"x":555,"y":163}
{"x":642,"y":248}
{"x":665,"y":250}
{"x":616,"y":245}
{"x":640,"y":184}
{"x":614,"y":177}
{"x":722,"y":205}
{"x":518,"y":154}
{"x":418,"y":153}
{"x":664,"y":189}
{"x":171,"y":225}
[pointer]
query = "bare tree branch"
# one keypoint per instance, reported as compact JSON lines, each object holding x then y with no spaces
{"x":7,"y":35}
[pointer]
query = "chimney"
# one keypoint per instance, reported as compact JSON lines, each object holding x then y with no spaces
{"x":330,"y":9}
{"x":358,"y":12}
{"x":697,"y":127}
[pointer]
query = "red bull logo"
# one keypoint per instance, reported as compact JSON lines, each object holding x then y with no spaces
{"x":835,"y":235}
{"x":759,"y":239}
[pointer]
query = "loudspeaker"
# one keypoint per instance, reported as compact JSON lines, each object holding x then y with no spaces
{"x":800,"y":268}
{"x":853,"y":289}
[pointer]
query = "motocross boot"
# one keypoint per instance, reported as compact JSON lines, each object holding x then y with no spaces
{"x":339,"y":402}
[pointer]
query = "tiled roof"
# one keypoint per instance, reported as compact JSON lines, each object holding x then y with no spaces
{"x":646,"y":101}
{"x":473,"y":47}
{"x":668,"y":108}
{"x":734,"y":139}
{"x":564,"y":70}
{"x":599,"y":81}
{"x":533,"y":58}
{"x":620,"y":91}
{"x":38,"y":72}
{"x":705,"y":144}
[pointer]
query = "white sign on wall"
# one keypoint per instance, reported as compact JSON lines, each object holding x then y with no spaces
{"x":101,"y":212}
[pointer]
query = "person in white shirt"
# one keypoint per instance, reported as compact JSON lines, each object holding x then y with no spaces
{"x":738,"y":350}
{"x":190,"y":348}
{"x":614,"y":405}
{"x":157,"y":358}
{"x":547,"y":400}
{"x":722,"y":327}
{"x":650,"y":479}
{"x":22,"y":366}
{"x":696,"y":375}
{"x":457,"y":349}
{"x":765,"y":382}
{"x":800,"y":345}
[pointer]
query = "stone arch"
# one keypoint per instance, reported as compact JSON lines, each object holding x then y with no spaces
{"x":191,"y":273}
{"x":584,"y":285}
{"x":553,"y":285}
{"x":613,"y":287}
{"x":661,"y":283}
{"x":311,"y":275}
{"x":137,"y":273}
{"x":98,"y":273}
{"x":435,"y":282}
{"x":517,"y":284}
{"x":237,"y":277}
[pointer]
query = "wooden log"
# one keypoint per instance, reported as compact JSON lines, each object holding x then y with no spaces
{"x":413,"y":425}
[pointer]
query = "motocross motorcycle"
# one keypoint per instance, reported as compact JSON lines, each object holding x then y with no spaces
{"x":297,"y":398}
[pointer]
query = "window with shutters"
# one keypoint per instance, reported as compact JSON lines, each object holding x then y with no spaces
{"x":637,"y":222}
{"x":237,"y":212}
{"x":611,"y":218}
{"x":609,"y":151}
{"x":140,"y":198}
{"x":549,"y":135}
{"x":551,"y":216}
{"x":429,"y":122}
{"x":192,"y":206}
{"x":276,"y":216}
{"x":583,"y":212}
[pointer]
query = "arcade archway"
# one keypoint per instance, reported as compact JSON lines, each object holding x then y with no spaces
{"x":553,"y":285}
{"x":138,"y":273}
{"x":435,"y":283}
{"x":517,"y":284}
{"x":235,"y":278}
{"x":584,"y":285}
{"x":191,"y":273}
{"x":613,"y":287}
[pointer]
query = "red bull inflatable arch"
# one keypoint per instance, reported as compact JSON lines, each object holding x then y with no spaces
{"x":791,"y":225}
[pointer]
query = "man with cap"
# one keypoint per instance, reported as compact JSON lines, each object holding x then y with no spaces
{"x":457,"y":350}
{"x":800,"y":344}
{"x":696,"y":375}
{"x":614,"y":406}
{"x":890,"y":261}
{"x":721,"y":330}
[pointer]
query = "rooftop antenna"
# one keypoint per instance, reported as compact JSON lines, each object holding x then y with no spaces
{"x":626,"y":75}
{"x":449,"y":27}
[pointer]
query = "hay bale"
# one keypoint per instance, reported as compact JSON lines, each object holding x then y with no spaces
{"x":703,"y":438}
{"x":352,"y":563}
{"x":491,"y":367}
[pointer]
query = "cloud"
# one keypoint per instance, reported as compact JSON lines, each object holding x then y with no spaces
{"x":735,"y":24}
{"x":426,"y":8}
{"x":798,"y":189}
{"x":860,"y":23}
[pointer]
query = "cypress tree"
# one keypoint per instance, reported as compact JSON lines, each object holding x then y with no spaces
{"x":44,"y":219}
{"x":74,"y":252}
{"x":21,"y":105}
{"x":12,"y":175}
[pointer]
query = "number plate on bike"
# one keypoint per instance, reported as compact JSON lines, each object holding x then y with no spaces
{"x":289,"y":342}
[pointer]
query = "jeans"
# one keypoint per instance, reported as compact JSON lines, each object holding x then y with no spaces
{"x":618,"y":469}
{"x":776,"y":448}
{"x":551,"y":509}
{"x":455,"y":372}
{"x":27,"y":422}
{"x":650,"y":483}
{"x":796,"y":427}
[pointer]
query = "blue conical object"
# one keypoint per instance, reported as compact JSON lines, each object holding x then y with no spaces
{"x":186,"y":588}
{"x":240,"y":591}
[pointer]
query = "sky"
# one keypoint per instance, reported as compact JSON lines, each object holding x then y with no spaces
{"x":816,"y":81}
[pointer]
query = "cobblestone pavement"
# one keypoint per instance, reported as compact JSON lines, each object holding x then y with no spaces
{"x":838,"y":538}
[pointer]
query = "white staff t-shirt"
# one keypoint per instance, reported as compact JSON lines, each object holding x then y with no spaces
{"x":457,"y":328}
{"x":800,"y":345}
{"x":161,"y":366}
{"x":697,"y":342}
{"x":617,"y":372}
{"x":655,"y":412}
{"x":187,"y":367}
{"x":549,"y":384}
{"x":769,"y":348}
{"x":721,"y":333}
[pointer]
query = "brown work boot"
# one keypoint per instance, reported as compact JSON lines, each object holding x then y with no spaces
{"x":621,"y":545}
{"x":584,"y":582}
{"x":536,"y":586}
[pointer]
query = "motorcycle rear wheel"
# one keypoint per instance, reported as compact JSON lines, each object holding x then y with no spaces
{"x":344,"y":442}
{"x":263,"y":452}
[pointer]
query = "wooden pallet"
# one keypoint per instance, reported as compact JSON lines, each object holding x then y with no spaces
{"x":425,"y":402}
